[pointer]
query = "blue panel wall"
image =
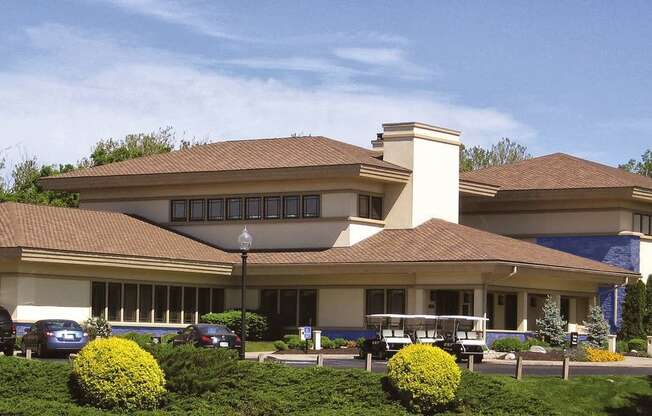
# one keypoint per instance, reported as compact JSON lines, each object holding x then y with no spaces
{"x":622,"y":251}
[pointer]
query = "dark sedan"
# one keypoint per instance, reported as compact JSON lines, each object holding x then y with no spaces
{"x":7,"y":332}
{"x":207,"y":335}
{"x":54,"y":336}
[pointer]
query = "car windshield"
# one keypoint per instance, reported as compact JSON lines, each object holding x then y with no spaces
{"x":214,"y":330}
{"x":61,"y":325}
{"x":4,"y":315}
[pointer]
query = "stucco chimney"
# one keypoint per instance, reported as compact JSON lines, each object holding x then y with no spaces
{"x":432,"y":153}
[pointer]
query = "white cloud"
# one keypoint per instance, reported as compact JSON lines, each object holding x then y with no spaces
{"x":58,"y":117}
{"x":377,"y":56}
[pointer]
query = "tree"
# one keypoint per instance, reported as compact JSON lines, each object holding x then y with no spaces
{"x":597,"y":328}
{"x":25,"y":186}
{"x":641,"y":167}
{"x":648,"y":306}
{"x":132,"y":146}
{"x":634,"y":308}
{"x":504,"y":152}
{"x":551,"y":327}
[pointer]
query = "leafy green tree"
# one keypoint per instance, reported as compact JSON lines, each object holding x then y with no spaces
{"x":597,"y":328}
{"x":648,"y":306}
{"x":642,"y":167}
{"x":551,"y":327}
{"x":504,"y":152}
{"x":133,"y":146}
{"x":634,"y":308}
{"x":25,"y":186}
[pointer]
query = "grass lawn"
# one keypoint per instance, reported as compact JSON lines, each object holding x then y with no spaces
{"x":254,"y":389}
{"x":259,"y":346}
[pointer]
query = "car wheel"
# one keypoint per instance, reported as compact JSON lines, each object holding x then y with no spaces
{"x":9,"y":351}
{"x":41,"y":351}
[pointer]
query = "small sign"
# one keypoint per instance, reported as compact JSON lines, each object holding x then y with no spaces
{"x":305,"y":333}
{"x":574,"y":339}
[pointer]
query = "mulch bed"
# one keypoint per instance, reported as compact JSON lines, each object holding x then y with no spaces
{"x":537,"y":356}
{"x":341,"y":351}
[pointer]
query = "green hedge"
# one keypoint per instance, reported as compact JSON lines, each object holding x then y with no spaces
{"x":256,"y":324}
{"x":515,"y":344}
{"x":637,"y":344}
{"x":142,"y":340}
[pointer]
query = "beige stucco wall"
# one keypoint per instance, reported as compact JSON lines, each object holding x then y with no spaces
{"x":551,"y":223}
{"x":232,"y":298}
{"x":646,"y":258}
{"x":340,"y":308}
{"x":9,"y":293}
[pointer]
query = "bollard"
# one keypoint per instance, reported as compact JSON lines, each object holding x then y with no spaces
{"x":566,"y":369}
{"x":28,"y":354}
{"x":367,"y":365}
{"x":261,"y":358}
{"x":649,"y":346}
{"x":519,"y":368}
{"x":611,"y":343}
{"x":320,"y":360}
{"x":471,"y":362}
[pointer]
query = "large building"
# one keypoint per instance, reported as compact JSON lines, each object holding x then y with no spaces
{"x":339,"y":231}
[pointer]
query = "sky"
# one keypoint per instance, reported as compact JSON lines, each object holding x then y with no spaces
{"x":572,"y":77}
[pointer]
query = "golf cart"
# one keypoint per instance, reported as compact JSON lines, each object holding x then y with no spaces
{"x":425,"y":329}
{"x":463,"y":336}
{"x":391,"y":335}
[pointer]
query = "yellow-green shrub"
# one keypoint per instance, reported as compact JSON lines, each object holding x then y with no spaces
{"x":597,"y":355}
{"x":425,"y":377}
{"x":117,"y":373}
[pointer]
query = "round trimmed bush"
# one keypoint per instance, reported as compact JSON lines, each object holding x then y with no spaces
{"x":425,"y":377}
{"x":508,"y":345}
{"x":116,"y":373}
{"x":636,"y":344}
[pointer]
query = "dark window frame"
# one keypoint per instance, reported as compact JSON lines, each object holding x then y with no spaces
{"x":366,"y":205}
{"x":637,"y":223}
{"x":211,"y":201}
{"x":304,"y":201}
{"x":203,"y":210}
{"x":371,"y":207}
{"x":298,"y":206}
{"x":247,"y":201}
{"x":228,"y":208}
{"x":266,"y":210}
{"x":174,"y":218}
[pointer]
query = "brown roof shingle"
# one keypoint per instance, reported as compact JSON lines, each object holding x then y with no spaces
{"x":439,"y":241}
{"x":556,"y":171}
{"x":235,"y":155}
{"x":77,"y":230}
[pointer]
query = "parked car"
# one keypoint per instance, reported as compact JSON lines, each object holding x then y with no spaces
{"x":7,"y":332}
{"x":207,"y":335}
{"x":54,"y":336}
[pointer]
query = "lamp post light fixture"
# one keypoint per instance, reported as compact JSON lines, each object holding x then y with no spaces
{"x":244,"y":240}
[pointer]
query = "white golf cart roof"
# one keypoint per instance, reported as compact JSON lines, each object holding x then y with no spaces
{"x":461,"y":318}
{"x":429,"y":317}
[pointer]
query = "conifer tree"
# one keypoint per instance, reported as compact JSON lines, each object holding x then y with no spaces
{"x":634,"y":311}
{"x":597,"y":327}
{"x":551,"y":327}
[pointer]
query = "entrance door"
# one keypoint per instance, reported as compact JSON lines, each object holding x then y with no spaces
{"x":447,"y":302}
{"x":510,"y":312}
{"x":490,"y":310}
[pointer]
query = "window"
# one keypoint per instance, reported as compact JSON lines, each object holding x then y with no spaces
{"x":288,"y":315}
{"x":160,"y":303}
{"x":218,"y":300}
{"x":376,"y":208}
{"x":269,"y":302}
{"x":291,"y":207}
{"x":197,"y":210}
{"x":253,"y":208}
{"x":395,"y":301}
{"x":642,"y":223}
{"x":363,"y":206}
{"x":204,"y":298}
{"x":216,"y":209}
{"x":311,"y":206}
{"x":98,"y":301}
{"x":234,"y":208}
{"x":174,"y":306}
{"x":189,"y":304}
{"x":375,"y":301}
{"x":130,"y":302}
{"x":637,"y":223}
{"x":145,"y":303}
{"x":179,"y":208}
{"x":272,"y":207}
{"x":115,"y":301}
{"x":307,"y":307}
{"x":467,"y":303}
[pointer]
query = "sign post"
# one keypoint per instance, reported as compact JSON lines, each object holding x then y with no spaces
{"x":574,"y":339}
{"x":305,"y":334}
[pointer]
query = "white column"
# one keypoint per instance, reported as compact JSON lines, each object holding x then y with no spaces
{"x":419,"y":307}
{"x":478,"y":301}
{"x":557,"y":300}
{"x":521,"y":310}
{"x":572,"y":315}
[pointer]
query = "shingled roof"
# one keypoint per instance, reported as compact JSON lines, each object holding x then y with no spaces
{"x":556,"y":171}
{"x":237,"y":155}
{"x":440,"y":241}
{"x":94,"y":232}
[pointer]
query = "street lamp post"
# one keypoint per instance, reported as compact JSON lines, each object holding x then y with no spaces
{"x":244,"y":240}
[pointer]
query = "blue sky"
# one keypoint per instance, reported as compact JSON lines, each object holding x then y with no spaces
{"x":569,"y":76}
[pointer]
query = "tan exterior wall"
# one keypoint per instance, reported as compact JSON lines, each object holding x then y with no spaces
{"x":341,"y":308}
{"x":551,"y":223}
{"x":646,"y":258}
